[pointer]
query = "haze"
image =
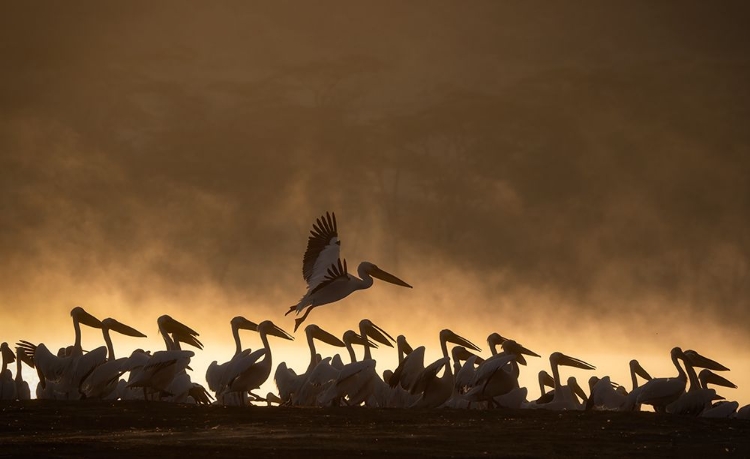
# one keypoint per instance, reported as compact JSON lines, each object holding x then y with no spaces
{"x":572,"y":178}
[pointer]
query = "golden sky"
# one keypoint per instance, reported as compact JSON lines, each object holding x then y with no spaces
{"x":572,"y":178}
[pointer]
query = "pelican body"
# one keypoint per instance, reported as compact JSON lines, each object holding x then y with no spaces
{"x":326,"y":274}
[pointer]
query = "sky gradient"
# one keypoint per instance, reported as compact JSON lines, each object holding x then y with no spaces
{"x":574,"y":179}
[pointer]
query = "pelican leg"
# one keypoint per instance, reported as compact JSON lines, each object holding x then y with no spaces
{"x":298,"y":322}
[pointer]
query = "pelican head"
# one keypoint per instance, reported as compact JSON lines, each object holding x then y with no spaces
{"x":180,"y":332}
{"x":79,"y":315}
{"x":709,"y":377}
{"x":240,"y":322}
{"x":369,"y":329}
{"x":112,"y":324}
{"x":448,"y":336}
{"x":636,"y":368}
{"x":699,"y":361}
{"x":270,"y":328}
{"x":461,"y":353}
{"x":558,"y":358}
{"x":373,"y":270}
{"x":314,"y":332}
{"x":403,"y":345}
{"x":7,"y":353}
{"x":352,"y":337}
{"x":512,"y":347}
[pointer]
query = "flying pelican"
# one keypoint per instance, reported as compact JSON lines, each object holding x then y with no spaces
{"x":216,"y":373}
{"x":103,"y":381}
{"x":7,"y":385}
{"x":326,"y":274}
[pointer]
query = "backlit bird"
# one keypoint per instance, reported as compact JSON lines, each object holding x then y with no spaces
{"x":326,"y":273}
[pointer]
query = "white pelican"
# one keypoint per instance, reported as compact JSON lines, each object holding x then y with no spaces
{"x":696,"y":401}
{"x":564,"y":397}
{"x":248,"y":373}
{"x":22,"y":387}
{"x":103,"y":380}
{"x":660,"y":392}
{"x":325,"y":273}
{"x":61,"y":375}
{"x":161,"y":368}
{"x":216,"y":373}
{"x":631,"y":398}
{"x":7,"y":384}
{"x":498,"y":375}
{"x":288,"y":382}
{"x":418,"y":379}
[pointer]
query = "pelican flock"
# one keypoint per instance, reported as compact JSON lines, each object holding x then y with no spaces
{"x":343,"y":371}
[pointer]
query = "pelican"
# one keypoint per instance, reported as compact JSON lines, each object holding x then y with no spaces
{"x":498,"y":375}
{"x":696,"y":401}
{"x":250,"y":372}
{"x":418,"y":379}
{"x":22,"y":387}
{"x":660,"y":392}
{"x":631,"y":399}
{"x":61,"y":375}
{"x":326,"y":274}
{"x":216,"y":373}
{"x":564,"y":397}
{"x":7,"y":385}
{"x":288,"y":382}
{"x":103,"y":380}
{"x":163,"y":367}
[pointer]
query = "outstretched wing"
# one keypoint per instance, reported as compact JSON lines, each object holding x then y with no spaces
{"x":323,"y":248}
{"x":335,"y":271}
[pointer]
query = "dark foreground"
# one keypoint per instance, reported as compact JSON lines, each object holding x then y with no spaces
{"x":138,"y":429}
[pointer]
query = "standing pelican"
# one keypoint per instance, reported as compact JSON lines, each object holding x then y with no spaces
{"x":104,"y":379}
{"x":564,"y":397}
{"x":660,"y":392}
{"x":61,"y":375}
{"x":22,"y":387}
{"x":163,"y":367}
{"x":250,"y":372}
{"x":7,"y":385}
{"x":216,"y":374}
{"x":630,"y":400}
{"x":326,"y":274}
{"x":289,"y":383}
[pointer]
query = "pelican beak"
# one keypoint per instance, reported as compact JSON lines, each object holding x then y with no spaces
{"x":170,"y":325}
{"x":638,"y":369}
{"x":8,"y":355}
{"x":713,"y":378}
{"x":577,"y":389}
{"x":387,"y":277}
{"x":404,"y":345}
{"x":563,"y":359}
{"x":276,"y":331}
{"x":546,"y":379}
{"x":322,"y":335}
{"x":86,"y":318}
{"x":245,"y":324}
{"x":698,"y":360}
{"x":355,"y":338}
{"x":371,"y":330}
{"x":121,"y":328}
{"x":447,"y":335}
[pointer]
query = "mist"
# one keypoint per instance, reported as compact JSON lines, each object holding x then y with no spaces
{"x":567,"y":177}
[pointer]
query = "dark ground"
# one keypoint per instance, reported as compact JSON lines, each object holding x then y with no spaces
{"x":139,"y":429}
